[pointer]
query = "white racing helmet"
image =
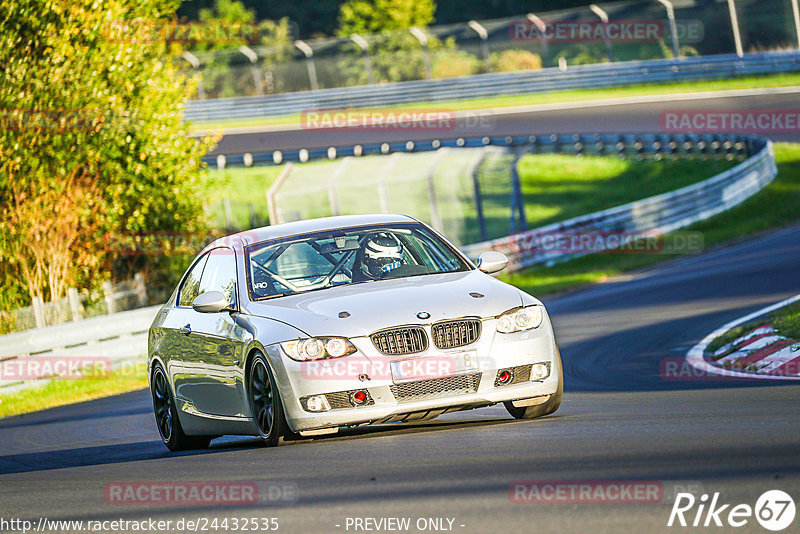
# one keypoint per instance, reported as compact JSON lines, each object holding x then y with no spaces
{"x":381,"y":254}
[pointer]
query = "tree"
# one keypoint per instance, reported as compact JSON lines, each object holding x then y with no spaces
{"x":396,"y":54}
{"x":92,"y":143}
{"x":225,"y":71}
{"x":376,"y":16}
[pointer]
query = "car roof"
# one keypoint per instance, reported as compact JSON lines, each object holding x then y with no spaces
{"x":279,"y":231}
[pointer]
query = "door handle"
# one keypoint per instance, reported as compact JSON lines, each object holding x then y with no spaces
{"x":186,"y":329}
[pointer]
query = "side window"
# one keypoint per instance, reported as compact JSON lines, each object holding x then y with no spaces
{"x":220,"y":273}
{"x":191,"y":284}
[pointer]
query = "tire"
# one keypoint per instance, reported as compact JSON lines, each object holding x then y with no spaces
{"x":167,"y":422}
{"x":265,"y":402}
{"x":552,"y":404}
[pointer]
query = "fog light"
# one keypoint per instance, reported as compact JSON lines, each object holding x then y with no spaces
{"x":317,"y":403}
{"x":540,"y":371}
{"x":359,"y":397}
{"x":504,"y":377}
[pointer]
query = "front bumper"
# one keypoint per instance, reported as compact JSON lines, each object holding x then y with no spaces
{"x":389,"y":399}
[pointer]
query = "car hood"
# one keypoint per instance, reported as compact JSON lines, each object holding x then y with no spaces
{"x":375,"y":305}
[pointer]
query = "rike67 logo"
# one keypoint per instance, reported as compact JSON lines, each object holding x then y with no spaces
{"x":774,"y":510}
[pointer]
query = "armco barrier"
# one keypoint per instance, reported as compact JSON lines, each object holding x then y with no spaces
{"x":576,"y":143}
{"x":659,"y":214}
{"x":112,"y":338}
{"x":498,"y":84}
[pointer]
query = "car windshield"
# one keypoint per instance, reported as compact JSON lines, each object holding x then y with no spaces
{"x":339,"y":257}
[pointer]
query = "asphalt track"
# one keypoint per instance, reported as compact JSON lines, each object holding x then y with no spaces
{"x":624,"y":418}
{"x":636,"y":115}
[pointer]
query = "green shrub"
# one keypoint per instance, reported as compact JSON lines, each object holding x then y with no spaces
{"x":513,"y":60}
{"x":451,"y":63}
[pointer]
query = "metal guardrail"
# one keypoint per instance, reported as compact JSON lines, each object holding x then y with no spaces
{"x":106,"y":340}
{"x":659,"y":214}
{"x":116,"y":296}
{"x":499,"y":84}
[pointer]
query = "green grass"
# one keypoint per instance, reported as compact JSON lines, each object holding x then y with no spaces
{"x":242,"y":187}
{"x":753,"y":82}
{"x":777,"y":205}
{"x":557,"y":187}
{"x":72,"y":390}
{"x":785,"y":321}
{"x":733,"y":333}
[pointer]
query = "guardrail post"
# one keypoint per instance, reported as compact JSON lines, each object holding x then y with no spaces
{"x":603,"y":16}
{"x":75,"y":304}
{"x":484,"y":36}
{"x":38,"y":311}
{"x":737,"y":36}
{"x":108,"y":294}
{"x":673,"y":27}
{"x":426,"y":54}
{"x":364,"y":46}
{"x":141,"y":289}
{"x":195,"y":63}
{"x":796,"y":16}
{"x":308,"y":52}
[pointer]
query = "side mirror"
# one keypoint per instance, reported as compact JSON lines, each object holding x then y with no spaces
{"x":211,"y":302}
{"x":491,"y":262}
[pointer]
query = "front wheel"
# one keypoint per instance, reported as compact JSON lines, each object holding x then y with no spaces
{"x":265,"y":402}
{"x":169,"y":426}
{"x":546,"y":408}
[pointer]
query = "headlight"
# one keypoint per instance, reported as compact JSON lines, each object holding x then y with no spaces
{"x":520,"y":319}
{"x":318,"y":348}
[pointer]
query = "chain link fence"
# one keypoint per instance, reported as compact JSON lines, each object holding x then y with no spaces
{"x":437,"y":187}
{"x":636,"y":30}
{"x":471,"y":194}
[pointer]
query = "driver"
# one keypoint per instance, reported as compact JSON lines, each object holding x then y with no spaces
{"x":380,"y":255}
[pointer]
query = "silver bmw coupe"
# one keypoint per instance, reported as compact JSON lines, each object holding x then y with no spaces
{"x":306,"y":327}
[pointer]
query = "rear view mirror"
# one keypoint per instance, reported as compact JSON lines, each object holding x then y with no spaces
{"x":491,"y":262}
{"x":211,"y":302}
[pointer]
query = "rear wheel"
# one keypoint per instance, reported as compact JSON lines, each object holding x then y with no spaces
{"x":546,"y":408}
{"x":265,"y":402}
{"x":169,"y":426}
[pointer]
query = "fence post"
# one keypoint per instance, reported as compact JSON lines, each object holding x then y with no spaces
{"x":252,"y":210}
{"x":75,"y":304}
{"x":436,"y":218}
{"x":518,"y":220}
{"x":226,"y":204}
{"x":272,"y":192}
{"x":476,"y":183}
{"x":141,"y":289}
{"x":108,"y":291}
{"x":333,"y":194}
{"x":383,"y":189}
{"x":38,"y":311}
